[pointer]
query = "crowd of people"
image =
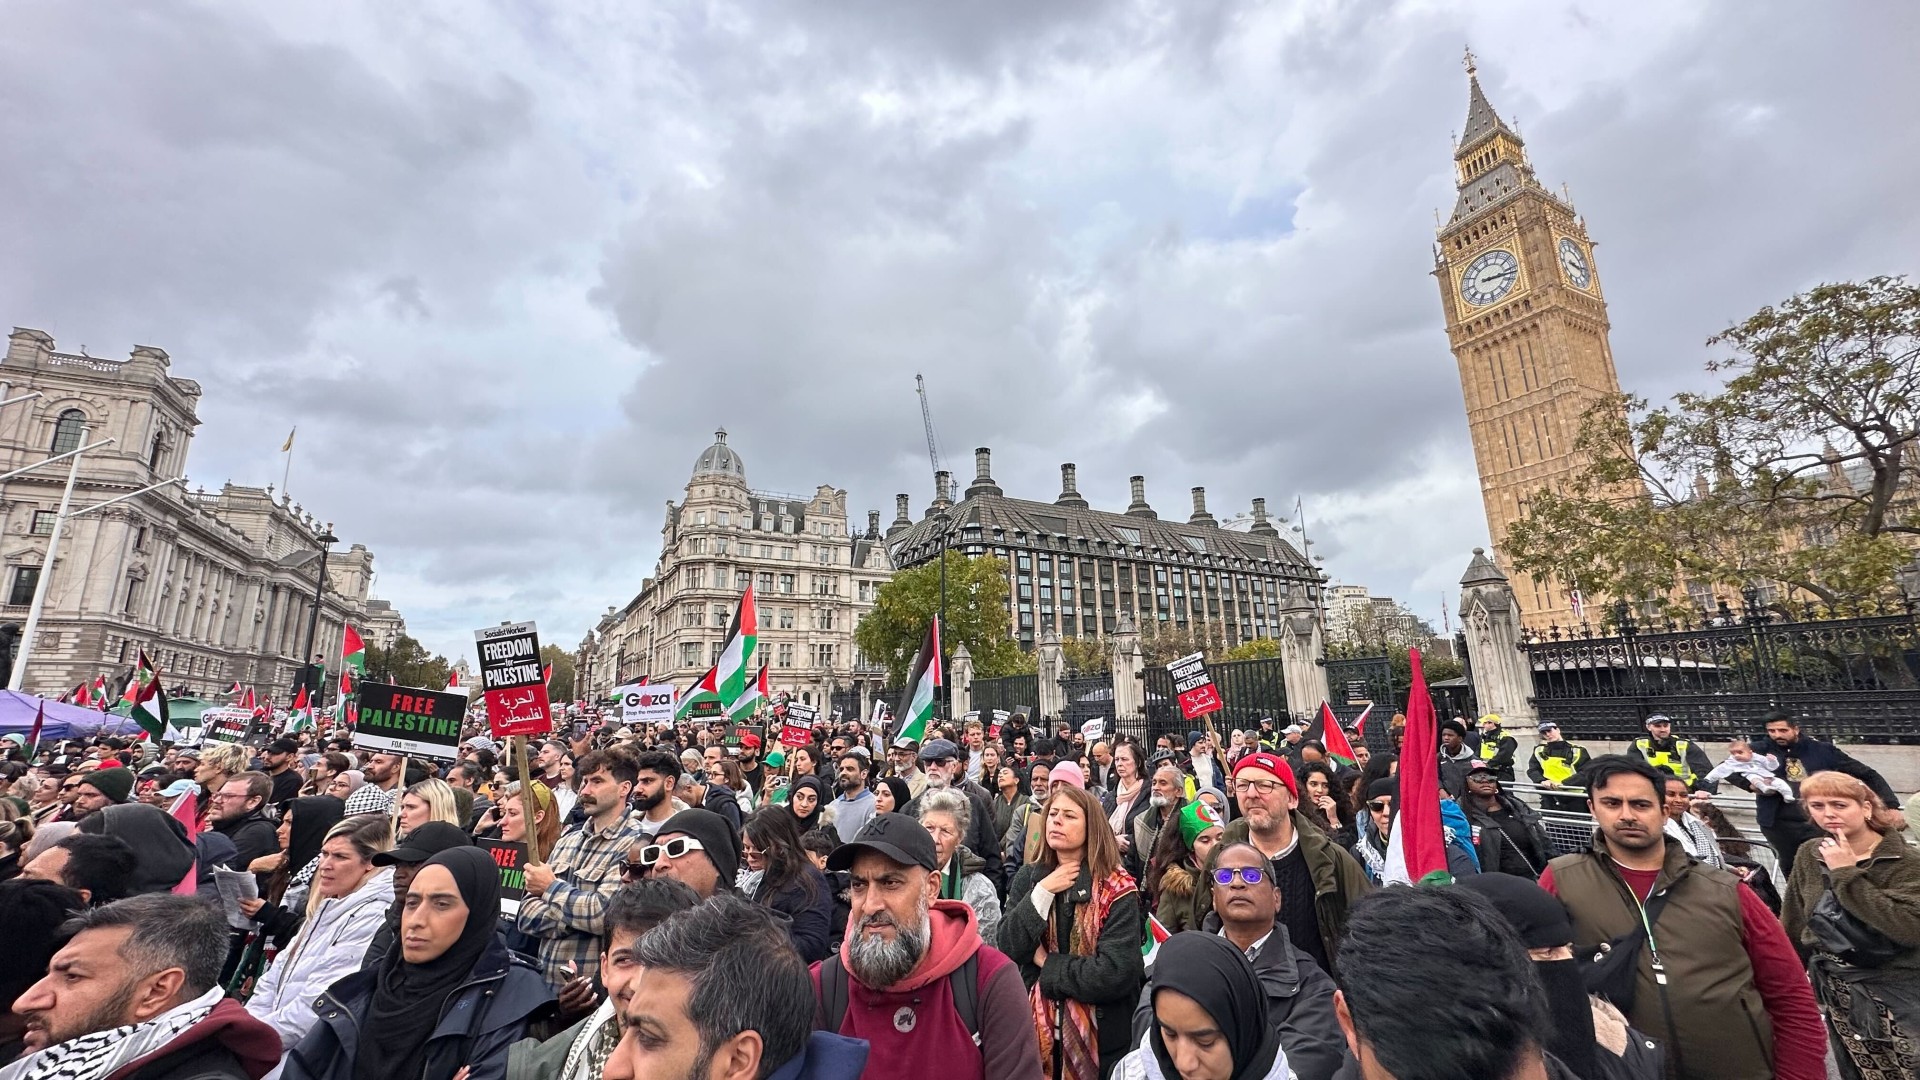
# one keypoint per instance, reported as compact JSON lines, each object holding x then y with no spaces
{"x":1031,"y":902}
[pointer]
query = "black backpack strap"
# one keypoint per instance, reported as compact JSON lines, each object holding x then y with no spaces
{"x":833,"y":993}
{"x":964,"y":982}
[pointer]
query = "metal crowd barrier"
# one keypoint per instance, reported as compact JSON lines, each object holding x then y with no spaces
{"x":1572,"y":830}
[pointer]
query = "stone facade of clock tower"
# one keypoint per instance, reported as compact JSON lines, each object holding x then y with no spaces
{"x":1527,"y":323}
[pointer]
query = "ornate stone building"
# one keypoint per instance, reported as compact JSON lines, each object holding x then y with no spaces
{"x":1527,"y":323}
{"x":814,"y":575}
{"x":216,"y":587}
{"x":1075,"y":571}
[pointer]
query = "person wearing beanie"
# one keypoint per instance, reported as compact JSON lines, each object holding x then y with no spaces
{"x":1318,"y":879}
{"x":102,"y":788}
{"x":696,"y":848}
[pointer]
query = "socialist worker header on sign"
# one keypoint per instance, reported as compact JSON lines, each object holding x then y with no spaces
{"x":1194,"y":687}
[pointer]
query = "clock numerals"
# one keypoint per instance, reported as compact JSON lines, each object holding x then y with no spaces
{"x":1573,"y":263}
{"x":1489,"y":277}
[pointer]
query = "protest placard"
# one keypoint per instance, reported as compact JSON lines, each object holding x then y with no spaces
{"x":647,"y":703}
{"x":802,"y":714}
{"x":512,"y":681}
{"x":795,"y":735}
{"x":1000,"y":718}
{"x":1194,"y":687}
{"x":224,"y":725}
{"x":510,"y":858}
{"x":409,"y":721}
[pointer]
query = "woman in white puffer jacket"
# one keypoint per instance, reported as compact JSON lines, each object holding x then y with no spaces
{"x":349,"y":900}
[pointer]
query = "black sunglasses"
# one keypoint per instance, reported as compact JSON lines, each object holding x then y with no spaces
{"x":1380,"y":806}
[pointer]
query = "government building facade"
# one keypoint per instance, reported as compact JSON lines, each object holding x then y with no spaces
{"x":814,"y":574}
{"x":216,"y":587}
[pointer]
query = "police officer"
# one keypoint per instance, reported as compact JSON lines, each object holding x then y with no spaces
{"x":1557,"y":763}
{"x":1497,"y":748}
{"x":1678,"y":757}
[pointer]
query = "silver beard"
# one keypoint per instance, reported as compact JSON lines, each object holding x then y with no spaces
{"x":879,"y":963}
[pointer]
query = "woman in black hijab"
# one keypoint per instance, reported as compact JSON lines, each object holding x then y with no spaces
{"x":809,"y":782}
{"x":1210,"y":1017}
{"x":447,"y":995}
{"x":898,"y":795}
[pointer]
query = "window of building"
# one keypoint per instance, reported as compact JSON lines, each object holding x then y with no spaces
{"x":866,"y":591}
{"x":697,"y":545}
{"x":719,"y":615}
{"x":133,"y":594}
{"x":823,"y":618}
{"x":786,"y":583}
{"x":786,"y":618}
{"x":826,"y":585}
{"x":720,"y":545}
{"x":696,"y":577}
{"x":700,"y":518}
{"x":718,"y":648}
{"x":766,"y":551}
{"x":1131,"y":536}
{"x":786,"y":553}
{"x":1026,"y":590}
{"x":43,"y":522}
{"x":68,"y":431}
{"x":783,"y":656}
{"x":689,"y":653}
{"x":742,"y":579}
{"x":824,"y":554}
{"x":690,"y":615}
{"x":1025,"y":563}
{"x":25,"y":579}
{"x":723,"y":518}
{"x":764,"y":583}
{"x":823,"y":656}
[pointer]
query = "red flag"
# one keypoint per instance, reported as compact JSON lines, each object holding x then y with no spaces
{"x":1360,"y":725}
{"x":33,"y":737}
{"x":1327,"y":731}
{"x":546,"y":674}
{"x":81,"y":697}
{"x":1417,"y":850}
{"x":185,"y":811}
{"x":100,"y":693}
{"x":453,"y":679}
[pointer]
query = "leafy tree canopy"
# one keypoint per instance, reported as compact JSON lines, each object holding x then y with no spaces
{"x":976,"y":616}
{"x":407,"y":663}
{"x":561,"y":688}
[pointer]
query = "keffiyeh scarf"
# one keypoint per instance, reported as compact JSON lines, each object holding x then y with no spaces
{"x":100,"y":1053}
{"x":1074,"y":1021}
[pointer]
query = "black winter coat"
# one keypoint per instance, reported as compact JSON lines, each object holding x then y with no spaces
{"x":808,"y":906}
{"x":1496,"y":850}
{"x":1109,"y":980}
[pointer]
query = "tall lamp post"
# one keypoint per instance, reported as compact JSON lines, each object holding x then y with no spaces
{"x":325,"y":540}
{"x":946,"y":689}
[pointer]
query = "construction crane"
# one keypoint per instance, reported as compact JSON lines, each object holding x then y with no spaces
{"x":926,"y":418}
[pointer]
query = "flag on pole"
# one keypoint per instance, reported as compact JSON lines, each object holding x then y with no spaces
{"x":1417,"y":850}
{"x":923,"y":689}
{"x":1326,"y":731}
{"x":1156,"y":936}
{"x":100,"y":692}
{"x":702,"y":691}
{"x":300,"y":717}
{"x":287,"y":447}
{"x":733,"y":674}
{"x":353,"y":651}
{"x":39,"y":724}
{"x":234,"y":690}
{"x":81,"y":697}
{"x":453,"y":679}
{"x":755,"y":695}
{"x":1360,"y":725}
{"x":147,"y":698}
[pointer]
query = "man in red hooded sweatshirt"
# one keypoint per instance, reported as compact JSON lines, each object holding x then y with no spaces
{"x":913,"y":977}
{"x":135,"y":995}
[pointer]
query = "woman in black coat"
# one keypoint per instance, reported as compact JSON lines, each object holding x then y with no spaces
{"x":1078,"y":944}
{"x":789,"y":883}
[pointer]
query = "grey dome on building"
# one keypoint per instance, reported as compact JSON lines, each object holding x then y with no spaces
{"x":720,"y":459}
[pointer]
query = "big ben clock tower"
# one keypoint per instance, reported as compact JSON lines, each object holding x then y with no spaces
{"x":1528,"y":326}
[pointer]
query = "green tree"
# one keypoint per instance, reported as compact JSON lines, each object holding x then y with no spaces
{"x":1265,"y":648}
{"x":1798,"y":471}
{"x":1085,"y":655}
{"x":976,"y":616}
{"x":560,"y":688}
{"x":407,"y":663}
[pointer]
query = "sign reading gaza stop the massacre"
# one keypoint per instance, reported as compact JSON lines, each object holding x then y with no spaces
{"x":1191,"y":683}
{"x":511,"y":681}
{"x":646,"y":703}
{"x":406,"y":720}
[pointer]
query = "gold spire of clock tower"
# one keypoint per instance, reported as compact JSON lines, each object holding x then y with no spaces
{"x":1527,"y":324}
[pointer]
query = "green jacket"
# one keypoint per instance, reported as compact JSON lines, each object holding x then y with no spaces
{"x":1338,"y":879}
{"x":1883,"y":892}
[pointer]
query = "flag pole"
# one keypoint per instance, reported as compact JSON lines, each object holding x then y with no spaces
{"x":529,"y":806}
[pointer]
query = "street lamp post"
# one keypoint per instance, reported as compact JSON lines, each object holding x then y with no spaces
{"x":326,"y":540}
{"x":946,"y":690}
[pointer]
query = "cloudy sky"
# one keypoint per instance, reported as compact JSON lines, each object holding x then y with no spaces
{"x":508,"y":265}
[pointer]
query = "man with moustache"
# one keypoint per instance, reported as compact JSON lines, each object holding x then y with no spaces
{"x":928,"y":990}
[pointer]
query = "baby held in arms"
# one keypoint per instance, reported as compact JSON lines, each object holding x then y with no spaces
{"x":1757,"y":768}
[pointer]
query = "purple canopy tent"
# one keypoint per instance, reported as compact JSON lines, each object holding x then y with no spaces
{"x":18,"y":710}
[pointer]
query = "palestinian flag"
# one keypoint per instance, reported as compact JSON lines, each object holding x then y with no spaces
{"x":1360,"y":725}
{"x":353,"y":651}
{"x":300,"y":717}
{"x":81,"y":697}
{"x":923,"y":689}
{"x":1326,"y":731}
{"x":234,"y":690}
{"x":733,"y":675}
{"x":756,"y":695}
{"x":453,"y":679}
{"x":703,"y":691}
{"x":1417,"y":848}
{"x":546,"y":675}
{"x":147,"y":698}
{"x":100,"y":692}
{"x":1156,"y":934}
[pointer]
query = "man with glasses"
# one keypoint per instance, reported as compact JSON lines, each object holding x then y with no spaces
{"x":1246,"y":908}
{"x":696,"y":848}
{"x":1317,"y":878}
{"x":239,"y":814}
{"x":566,"y":902}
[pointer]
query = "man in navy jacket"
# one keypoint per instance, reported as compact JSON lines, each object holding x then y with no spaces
{"x":1784,"y":823}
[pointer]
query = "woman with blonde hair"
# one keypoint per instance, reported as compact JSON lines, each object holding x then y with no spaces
{"x":511,"y":815}
{"x":1852,"y":908}
{"x":428,"y":800}
{"x":1074,"y":925}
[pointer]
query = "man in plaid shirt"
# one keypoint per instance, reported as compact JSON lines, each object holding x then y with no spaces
{"x":566,"y":903}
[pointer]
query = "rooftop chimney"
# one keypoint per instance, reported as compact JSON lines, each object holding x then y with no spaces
{"x":983,"y":474}
{"x":1200,"y":515}
{"x":873,"y":524}
{"x":902,"y":515}
{"x":1138,"y":507}
{"x":1070,"y":488}
{"x":942,"y":491}
{"x":1261,"y":526}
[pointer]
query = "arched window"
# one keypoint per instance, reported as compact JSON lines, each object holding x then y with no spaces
{"x":68,"y":431}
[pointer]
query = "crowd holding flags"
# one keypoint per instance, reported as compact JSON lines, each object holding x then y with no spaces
{"x":729,"y":679}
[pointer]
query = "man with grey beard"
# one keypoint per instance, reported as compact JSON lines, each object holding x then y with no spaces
{"x":927,"y":988}
{"x":947,"y":768}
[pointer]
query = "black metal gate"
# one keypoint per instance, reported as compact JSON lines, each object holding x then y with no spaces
{"x":1015,"y":693}
{"x":1852,"y":677}
{"x":1088,"y":697}
{"x":1357,"y":682}
{"x":1249,"y":690}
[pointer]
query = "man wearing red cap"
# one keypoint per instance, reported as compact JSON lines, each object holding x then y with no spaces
{"x":1318,"y":879}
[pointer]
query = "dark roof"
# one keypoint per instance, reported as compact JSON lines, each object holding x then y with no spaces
{"x":1023,"y":516}
{"x":1482,"y":121}
{"x":1482,"y":570}
{"x":720,"y":458}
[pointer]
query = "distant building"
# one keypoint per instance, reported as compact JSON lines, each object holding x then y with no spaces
{"x":216,"y":587}
{"x":814,"y":576}
{"x":1075,"y":571}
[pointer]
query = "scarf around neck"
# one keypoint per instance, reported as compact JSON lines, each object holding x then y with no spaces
{"x":100,"y":1053}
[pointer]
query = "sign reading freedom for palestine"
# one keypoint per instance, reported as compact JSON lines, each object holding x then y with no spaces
{"x":512,"y":682}
{"x":405,"y":720}
{"x":1194,"y":686}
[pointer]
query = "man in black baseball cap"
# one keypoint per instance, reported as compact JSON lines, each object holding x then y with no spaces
{"x":277,"y":761}
{"x":911,"y":958}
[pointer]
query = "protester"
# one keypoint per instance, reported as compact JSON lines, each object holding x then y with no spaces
{"x":383,"y":775}
{"x":1207,"y":1018}
{"x":135,"y":992}
{"x":100,"y":868}
{"x":406,"y":859}
{"x":305,"y":823}
{"x":1319,"y":881}
{"x":428,"y":800}
{"x":1434,"y":983}
{"x":945,"y":769}
{"x":320,"y":780}
{"x":567,"y":891}
{"x":278,"y":761}
{"x":1173,"y":881}
{"x":696,"y":847}
{"x":162,"y":854}
{"x":33,"y":913}
{"x":344,"y":784}
{"x":654,"y":774}
{"x":1785,"y":824}
{"x":1323,"y":803}
{"x":511,"y":811}
{"x":853,"y":804}
{"x":240,"y":815}
{"x":1738,"y":851}
{"x":449,"y":999}
{"x":1510,"y":836}
{"x":786,"y":882}
{"x":100,"y":789}
{"x":913,"y":977}
{"x":347,"y":901}
{"x":891,"y":795}
{"x":212,"y":768}
{"x":717,"y":1001}
{"x":1694,"y":834}
{"x":944,"y":814}
{"x":1129,"y":796}
{"x":806,"y":801}
{"x":1730,"y":1000}
{"x":1163,"y":804}
{"x":1864,"y":945}
{"x":1074,"y":927}
{"x":581,"y":1052}
{"x":1009,"y":799}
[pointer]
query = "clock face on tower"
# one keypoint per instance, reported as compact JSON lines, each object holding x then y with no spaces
{"x":1489,"y":277}
{"x":1573,"y":263}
